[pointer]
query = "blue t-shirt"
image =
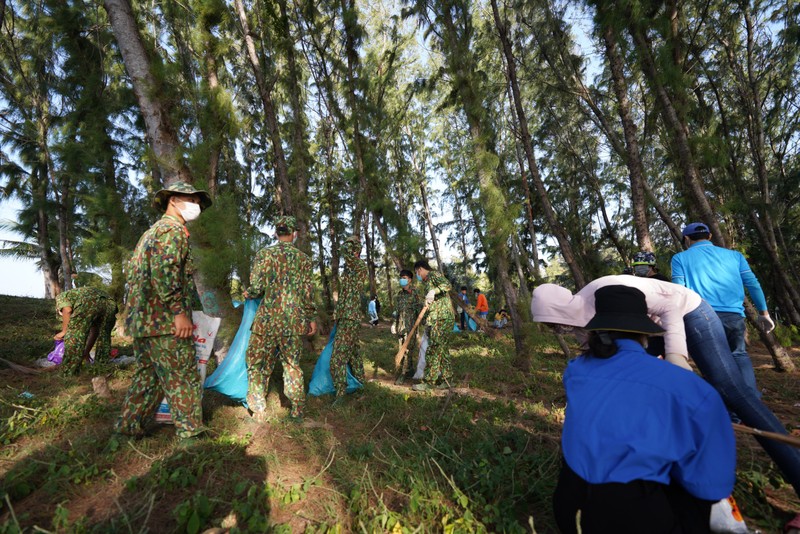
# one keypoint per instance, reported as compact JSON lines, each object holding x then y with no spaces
{"x":719,"y":275}
{"x":635,"y":417}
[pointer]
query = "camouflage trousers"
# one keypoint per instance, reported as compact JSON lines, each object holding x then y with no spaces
{"x":346,"y":351}
{"x":102,"y":352}
{"x":406,"y":362}
{"x":437,"y":357}
{"x":83,"y":326}
{"x":165,"y":366}
{"x":262,"y":354}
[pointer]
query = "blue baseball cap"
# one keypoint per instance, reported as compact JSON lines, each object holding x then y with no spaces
{"x":696,"y":228}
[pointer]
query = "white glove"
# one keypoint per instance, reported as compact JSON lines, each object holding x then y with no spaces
{"x":766,"y":323}
{"x":430,"y":296}
{"x":393,"y":329}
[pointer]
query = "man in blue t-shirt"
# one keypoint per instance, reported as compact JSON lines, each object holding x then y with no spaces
{"x":720,"y":276}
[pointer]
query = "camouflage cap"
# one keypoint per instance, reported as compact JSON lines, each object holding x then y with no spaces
{"x":286,"y":221}
{"x":161,"y":198}
{"x":644,"y":257}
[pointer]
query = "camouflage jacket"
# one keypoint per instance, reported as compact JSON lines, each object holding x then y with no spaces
{"x":351,"y":287}
{"x":408,"y":304}
{"x":80,"y":298}
{"x":282,"y":275}
{"x":442,"y":307}
{"x":160,"y":284}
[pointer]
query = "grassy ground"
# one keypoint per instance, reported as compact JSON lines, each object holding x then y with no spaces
{"x":483,"y":458}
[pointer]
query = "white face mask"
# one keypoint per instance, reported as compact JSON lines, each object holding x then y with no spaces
{"x":190,"y":211}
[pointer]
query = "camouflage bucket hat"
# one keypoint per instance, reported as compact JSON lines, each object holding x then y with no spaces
{"x":351,"y":243}
{"x":161,"y":198}
{"x":286,"y":221}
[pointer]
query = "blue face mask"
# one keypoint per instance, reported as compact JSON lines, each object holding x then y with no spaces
{"x":403,"y":282}
{"x":419,"y":278}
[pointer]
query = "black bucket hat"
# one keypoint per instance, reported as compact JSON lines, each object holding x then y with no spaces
{"x":622,"y":309}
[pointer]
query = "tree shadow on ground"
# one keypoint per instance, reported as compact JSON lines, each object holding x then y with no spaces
{"x":427,"y":458}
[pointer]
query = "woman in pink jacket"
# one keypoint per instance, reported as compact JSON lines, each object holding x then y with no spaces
{"x":692,"y":329}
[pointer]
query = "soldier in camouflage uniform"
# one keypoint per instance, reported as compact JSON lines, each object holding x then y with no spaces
{"x":348,"y":317}
{"x":440,"y":318}
{"x":408,"y":305}
{"x":282,"y":275}
{"x":159,"y":317}
{"x":86,"y":313}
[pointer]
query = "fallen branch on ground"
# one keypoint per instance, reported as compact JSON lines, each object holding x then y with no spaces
{"x":783,"y":438}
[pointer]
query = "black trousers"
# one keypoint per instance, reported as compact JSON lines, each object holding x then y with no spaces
{"x":636,"y":507}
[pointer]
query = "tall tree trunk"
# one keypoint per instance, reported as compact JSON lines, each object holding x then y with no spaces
{"x":429,"y":221}
{"x":350,"y":25}
{"x":779,"y":355}
{"x":323,"y":273}
{"x":549,"y":213}
{"x":169,"y":165}
{"x":300,"y":158}
{"x":787,"y":287}
{"x":523,"y":281}
{"x":161,"y":134}
{"x":283,"y":189}
{"x":633,"y":157}
{"x":679,"y":132}
{"x":369,"y":242}
{"x":64,"y":209}
{"x":47,"y":259}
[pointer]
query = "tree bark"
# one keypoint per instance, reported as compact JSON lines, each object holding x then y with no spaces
{"x":300,"y":158}
{"x":633,"y":159}
{"x":169,"y":164}
{"x":283,"y":189}
{"x":680,"y":134}
{"x":549,"y":213}
{"x":779,"y":355}
{"x":429,"y":221}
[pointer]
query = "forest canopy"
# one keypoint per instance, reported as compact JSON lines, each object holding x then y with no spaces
{"x":536,"y":140}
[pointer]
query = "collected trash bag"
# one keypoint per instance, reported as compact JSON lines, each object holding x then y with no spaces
{"x":472,"y":326}
{"x":726,"y":518}
{"x":57,"y":354}
{"x":423,"y":348}
{"x":230,"y":377}
{"x":322,"y":380}
{"x":204,"y":331}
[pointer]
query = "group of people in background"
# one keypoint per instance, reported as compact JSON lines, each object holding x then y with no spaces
{"x":647,"y":444}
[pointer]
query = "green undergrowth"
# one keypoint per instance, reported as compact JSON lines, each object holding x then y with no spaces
{"x":28,"y":328}
{"x":483,"y":458}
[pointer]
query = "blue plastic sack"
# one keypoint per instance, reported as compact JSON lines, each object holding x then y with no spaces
{"x":230,"y":378}
{"x":471,"y":325}
{"x":321,"y":380}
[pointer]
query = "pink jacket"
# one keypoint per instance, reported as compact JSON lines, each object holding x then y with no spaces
{"x":667,"y":303}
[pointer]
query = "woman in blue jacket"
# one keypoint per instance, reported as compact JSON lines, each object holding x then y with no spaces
{"x":648,"y":446}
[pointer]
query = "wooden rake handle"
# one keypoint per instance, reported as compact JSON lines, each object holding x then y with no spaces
{"x":399,"y":357}
{"x":783,"y":438}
